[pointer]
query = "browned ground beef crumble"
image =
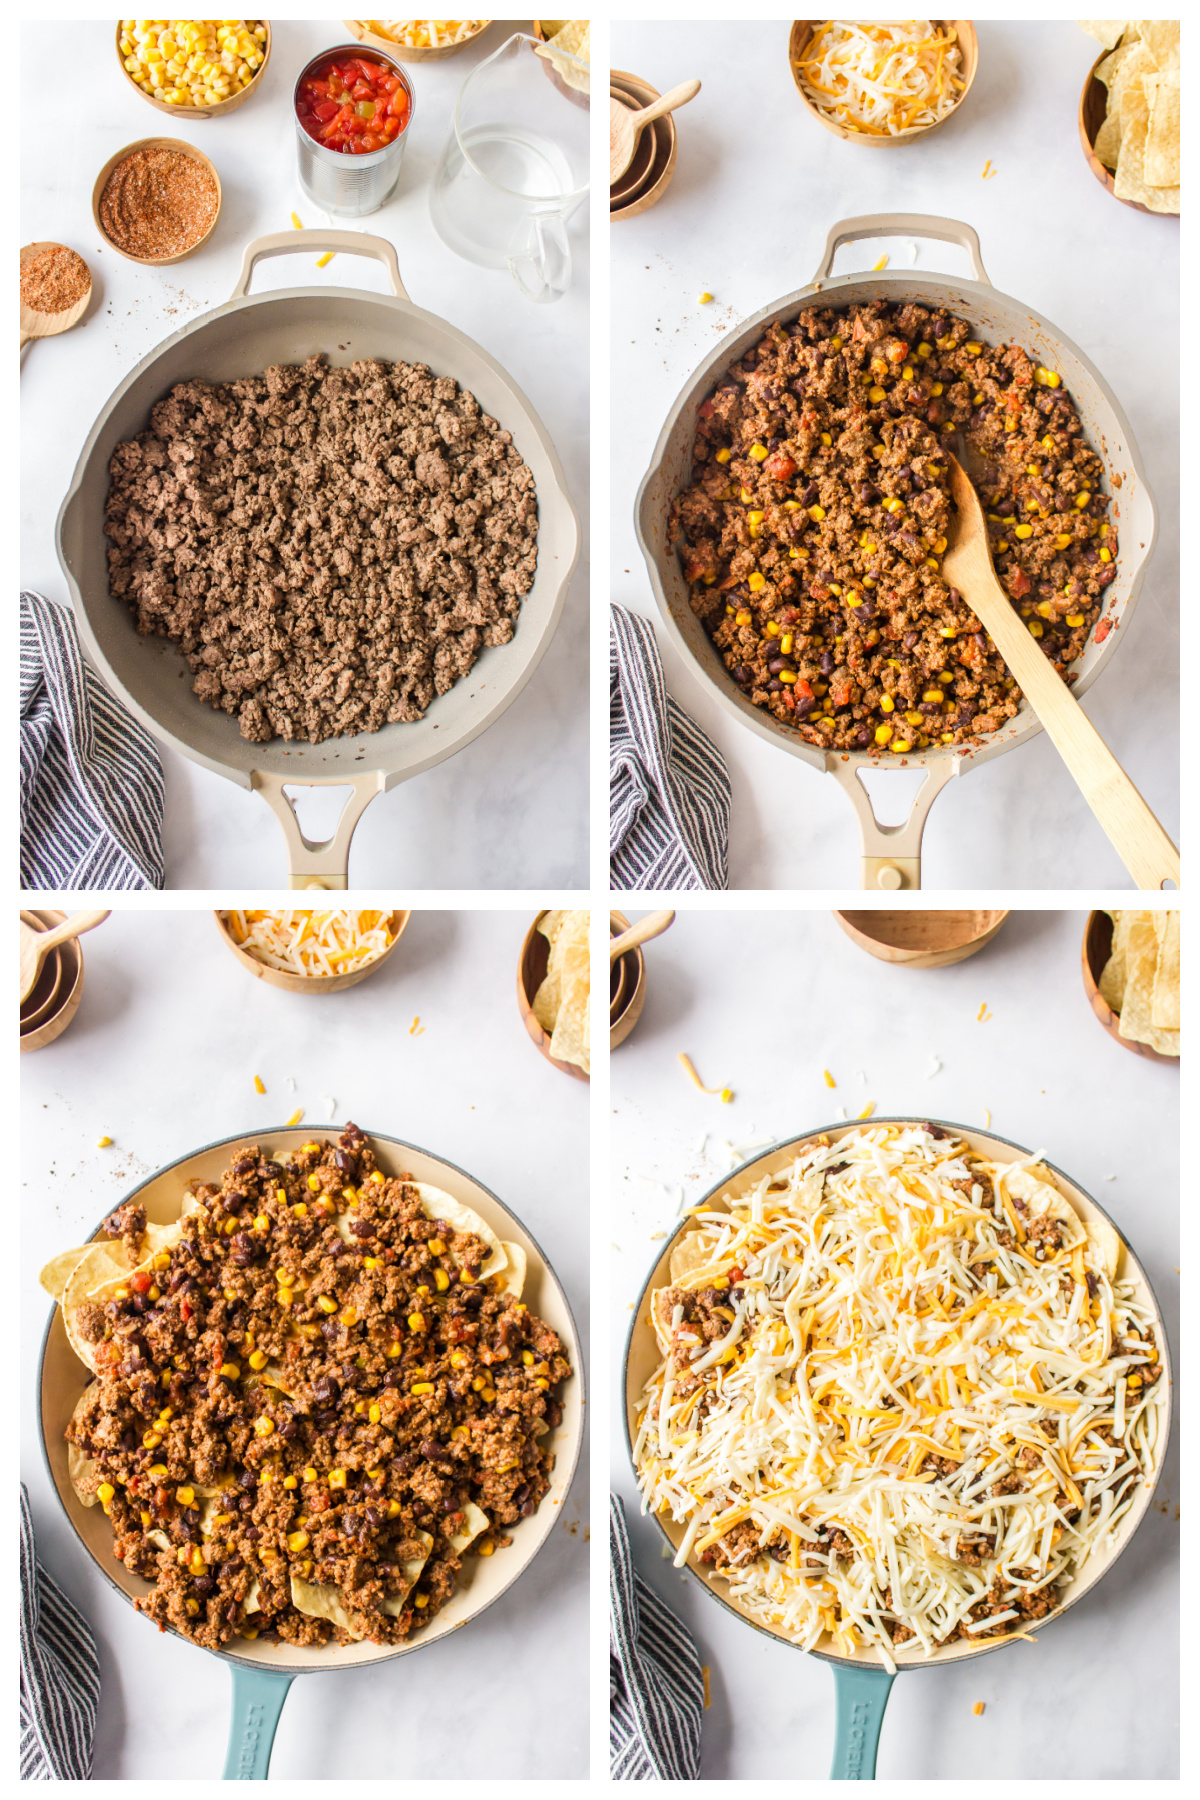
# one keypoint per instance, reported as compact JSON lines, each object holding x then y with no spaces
{"x":818,"y":512}
{"x":411,"y":1460}
{"x":330,"y":548}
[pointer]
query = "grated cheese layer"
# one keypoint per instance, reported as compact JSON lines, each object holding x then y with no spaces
{"x":311,"y":943}
{"x":880,"y":78}
{"x":904,"y":1394}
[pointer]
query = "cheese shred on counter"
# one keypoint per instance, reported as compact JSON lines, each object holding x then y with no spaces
{"x":904,"y":1397}
{"x":311,"y":943}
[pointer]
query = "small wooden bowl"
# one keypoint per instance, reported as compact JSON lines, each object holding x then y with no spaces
{"x":531,"y":972}
{"x":154,"y":143}
{"x":921,"y":940}
{"x":1097,"y":945}
{"x":39,"y":324}
{"x":666,"y":141}
{"x":1093,"y":105}
{"x":200,"y":112}
{"x":70,"y":987}
{"x":633,"y":987}
{"x":968,"y":47}
{"x":311,"y":984}
{"x":642,"y":161}
{"x":405,"y":52}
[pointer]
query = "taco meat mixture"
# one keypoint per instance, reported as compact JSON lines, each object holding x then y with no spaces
{"x":813,"y":531}
{"x":412,"y":1389}
{"x":330,"y":548}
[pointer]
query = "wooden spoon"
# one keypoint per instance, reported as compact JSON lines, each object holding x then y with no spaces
{"x":637,"y":174}
{"x":625,"y":126}
{"x":40,"y":324}
{"x":652,"y":926}
{"x":1135,"y":833}
{"x":36,"y":945}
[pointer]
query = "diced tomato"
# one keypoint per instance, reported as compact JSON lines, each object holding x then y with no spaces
{"x":344,"y":102}
{"x":141,"y":1282}
{"x":326,"y":110}
{"x":802,"y":689}
{"x":735,"y":1276}
{"x":1102,"y":630}
{"x":707,"y":410}
{"x":370,"y":142}
{"x":780,"y":467}
{"x":185,"y":1311}
{"x":390,"y":83}
{"x":1019,"y":583}
{"x":371,"y":70}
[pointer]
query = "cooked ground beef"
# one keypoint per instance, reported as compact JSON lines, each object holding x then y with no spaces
{"x":129,"y":1224}
{"x":819,"y":510}
{"x":330,"y":548}
{"x":412,"y":1389}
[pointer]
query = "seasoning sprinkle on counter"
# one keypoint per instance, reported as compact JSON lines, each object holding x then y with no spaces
{"x":55,"y":280}
{"x":158,"y":203}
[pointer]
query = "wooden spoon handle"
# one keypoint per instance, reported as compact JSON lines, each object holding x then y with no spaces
{"x":676,"y":96}
{"x":70,"y":928}
{"x":1132,"y":828}
{"x":652,"y":926}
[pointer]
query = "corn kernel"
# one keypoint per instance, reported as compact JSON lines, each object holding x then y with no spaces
{"x":883,"y":734}
{"x":151,"y":1440}
{"x":758,"y":452}
{"x":1074,"y":619}
{"x":901,"y":744}
{"x":816,"y":514}
{"x":261,"y":1221}
{"x":230,"y":1371}
{"x":486,"y":1548}
{"x":1046,"y":378}
{"x":1023,"y":531}
{"x":421,"y":1387}
{"x":264,"y":1426}
{"x":1036,"y":627}
{"x":349,"y":1317}
{"x":326,"y":1304}
{"x":826,"y":439}
{"x":936,"y":388}
{"x":724,"y":456}
{"x":756,"y":582}
{"x":298,"y":1540}
{"x":972,"y":349}
{"x":1105,"y":556}
{"x":337,"y":1478}
{"x":876,"y":394}
{"x":1062,"y":539}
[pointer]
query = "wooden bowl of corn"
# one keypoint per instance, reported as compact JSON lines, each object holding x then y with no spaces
{"x":205,"y":67}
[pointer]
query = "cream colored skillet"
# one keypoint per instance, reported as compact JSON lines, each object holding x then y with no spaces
{"x":861,"y":1684}
{"x":262,"y":1672}
{"x":244,"y":336}
{"x":892,"y":853}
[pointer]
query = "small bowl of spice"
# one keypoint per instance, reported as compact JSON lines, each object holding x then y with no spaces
{"x":157,"y":201}
{"x":56,"y":285}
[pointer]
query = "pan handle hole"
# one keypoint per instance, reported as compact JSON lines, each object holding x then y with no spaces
{"x":317,"y":810}
{"x":891,"y":792}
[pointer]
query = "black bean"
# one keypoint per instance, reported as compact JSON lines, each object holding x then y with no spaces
{"x":230,"y":1569}
{"x":777,"y":664}
{"x":433,"y":1451}
{"x":868,"y":494}
{"x":275,"y":1170}
{"x":826,"y":663}
{"x":910,"y":639}
{"x":243,"y":1166}
{"x":862,"y":736}
{"x":246,"y":1504}
{"x":362,"y":1228}
{"x":774,"y":687}
{"x":1108,"y":573}
{"x":203,"y":1584}
{"x":810,"y":493}
{"x":804,"y":704}
{"x":347,"y":1163}
{"x":953,"y":595}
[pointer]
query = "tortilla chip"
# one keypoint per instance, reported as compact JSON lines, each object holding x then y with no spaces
{"x":575,"y":40}
{"x":513,"y":1275}
{"x":321,"y":1602}
{"x":567,"y":934}
{"x":688,"y":1255}
{"x":1161,"y":159}
{"x":58,"y":1271}
{"x":1106,"y":69}
{"x":1037,"y":1189}
{"x":100,"y":1271}
{"x":1112,"y":980}
{"x":1161,"y":38}
{"x":571,"y":1039}
{"x":1137,"y":1022}
{"x":84,"y":1474}
{"x":477,"y":1522}
{"x":1107,"y":32}
{"x":1164,"y":1001}
{"x":1108,"y":140}
{"x":438,"y":1205}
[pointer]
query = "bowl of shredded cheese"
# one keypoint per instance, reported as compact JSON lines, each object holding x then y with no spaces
{"x":875,"y":82}
{"x":417,"y":40}
{"x":311,"y":952}
{"x":896,"y":1393}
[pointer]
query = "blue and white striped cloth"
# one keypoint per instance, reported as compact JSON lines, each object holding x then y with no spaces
{"x":656,"y":1684}
{"x":92,"y":786}
{"x":668,"y":786}
{"x":60,"y":1674}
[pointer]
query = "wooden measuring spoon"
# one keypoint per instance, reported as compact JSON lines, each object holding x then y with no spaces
{"x":637,"y":174}
{"x":652,"y":926}
{"x":36,"y":945}
{"x":40,"y":324}
{"x":1132,"y":828}
{"x":625,"y":126}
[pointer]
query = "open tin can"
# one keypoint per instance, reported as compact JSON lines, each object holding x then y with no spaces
{"x":344,"y":185}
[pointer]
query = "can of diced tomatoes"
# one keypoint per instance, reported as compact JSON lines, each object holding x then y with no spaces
{"x":353,"y":109}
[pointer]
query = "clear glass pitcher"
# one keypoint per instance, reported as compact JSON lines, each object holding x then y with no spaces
{"x":515,"y":166}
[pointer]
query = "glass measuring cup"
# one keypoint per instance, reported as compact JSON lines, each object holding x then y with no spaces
{"x":515,"y":166}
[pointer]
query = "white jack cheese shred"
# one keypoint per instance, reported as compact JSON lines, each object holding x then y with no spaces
{"x":311,"y":943}
{"x":902,"y":1400}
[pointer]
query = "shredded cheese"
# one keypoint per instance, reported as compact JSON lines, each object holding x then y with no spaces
{"x":311,"y":943}
{"x":914,"y":1422}
{"x":882,"y":79}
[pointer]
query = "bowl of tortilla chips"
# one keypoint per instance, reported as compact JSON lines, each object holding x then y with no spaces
{"x":1131,"y":976}
{"x":1129,"y":112}
{"x":554,"y":990}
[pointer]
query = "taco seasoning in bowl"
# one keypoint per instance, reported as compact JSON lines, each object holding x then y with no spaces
{"x":157,"y":201}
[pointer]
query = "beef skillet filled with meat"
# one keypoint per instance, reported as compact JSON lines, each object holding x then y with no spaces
{"x":331,"y":549}
{"x":813,"y":531}
{"x":313,"y":1400}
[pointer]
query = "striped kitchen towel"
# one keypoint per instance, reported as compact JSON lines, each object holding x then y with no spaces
{"x":668,"y":787}
{"x":60,"y":1674}
{"x":656,"y":1685}
{"x":91,"y":776}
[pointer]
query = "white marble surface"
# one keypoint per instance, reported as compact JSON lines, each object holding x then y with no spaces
{"x":509,"y":810}
{"x":161,"y":1057}
{"x":757,"y":186}
{"x":765,"y":1003}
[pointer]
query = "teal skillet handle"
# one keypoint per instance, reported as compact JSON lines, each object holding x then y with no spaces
{"x":862,"y":1695}
{"x":258,"y":1697}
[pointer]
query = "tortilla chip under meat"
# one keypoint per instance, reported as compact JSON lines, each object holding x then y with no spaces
{"x":477,"y":1522}
{"x":514,"y":1271}
{"x":84,"y":1474}
{"x":1036,"y":1187}
{"x":103,"y":1268}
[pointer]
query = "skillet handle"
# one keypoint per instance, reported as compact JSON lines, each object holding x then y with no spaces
{"x":874,"y":225}
{"x":891,"y":853}
{"x":862,"y":1695}
{"x":258,"y":1697}
{"x":318,"y":865}
{"x":350,"y":243}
